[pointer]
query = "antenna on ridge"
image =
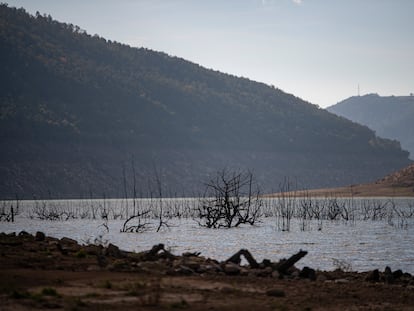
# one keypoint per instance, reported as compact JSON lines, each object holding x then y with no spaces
{"x":358,"y":91}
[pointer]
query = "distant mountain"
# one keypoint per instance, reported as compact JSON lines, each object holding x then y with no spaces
{"x":82,"y":116}
{"x":391,"y":116}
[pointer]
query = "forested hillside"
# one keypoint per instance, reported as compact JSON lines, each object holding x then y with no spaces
{"x":81,"y":115}
{"x":390,"y":116}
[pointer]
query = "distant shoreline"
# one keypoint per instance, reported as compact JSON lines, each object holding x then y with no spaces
{"x":361,"y":190}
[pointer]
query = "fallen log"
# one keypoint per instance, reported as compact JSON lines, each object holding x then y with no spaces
{"x":284,"y":265}
{"x":236,"y":258}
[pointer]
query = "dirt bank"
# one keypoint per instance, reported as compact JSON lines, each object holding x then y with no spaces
{"x":396,"y":184}
{"x":39,"y":272}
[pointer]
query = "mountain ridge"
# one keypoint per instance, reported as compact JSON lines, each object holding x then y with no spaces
{"x":80,"y":114}
{"x":389,"y":116}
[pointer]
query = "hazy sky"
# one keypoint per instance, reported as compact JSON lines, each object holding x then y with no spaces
{"x":319,"y":50}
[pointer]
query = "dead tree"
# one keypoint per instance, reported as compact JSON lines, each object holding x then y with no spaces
{"x":7,"y":216}
{"x":138,"y":226}
{"x":161,"y":221}
{"x":286,"y":205}
{"x":231,"y":199}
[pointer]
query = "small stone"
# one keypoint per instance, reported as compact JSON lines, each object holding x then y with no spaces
{"x":295,"y":274}
{"x":93,"y":268}
{"x":231,"y":269}
{"x":397,"y":274}
{"x":93,"y":249}
{"x":407,"y":275}
{"x":113,"y":251}
{"x":373,"y":276}
{"x":211,"y":268}
{"x":40,"y":236}
{"x":66,"y":240}
{"x":254,"y":272}
{"x":184,"y":270}
{"x":264,"y":272}
{"x":244,"y":272}
{"x":119,"y":265}
{"x":191,"y":254}
{"x":192,"y":265}
{"x":67,"y":245}
{"x":276,"y":274}
{"x":388,"y":276}
{"x":274,"y":292}
{"x":308,"y":273}
{"x":101,"y":259}
{"x":155,"y":267}
{"x":341,"y":281}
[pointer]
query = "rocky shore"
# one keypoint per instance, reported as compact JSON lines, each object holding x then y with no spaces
{"x":38,"y":271}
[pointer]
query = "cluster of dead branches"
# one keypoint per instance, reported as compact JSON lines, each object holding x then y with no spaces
{"x":230,"y":200}
{"x":139,"y":220}
{"x":8,"y":213}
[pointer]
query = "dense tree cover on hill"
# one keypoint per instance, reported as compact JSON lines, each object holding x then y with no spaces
{"x":75,"y":106}
{"x":388,"y":116}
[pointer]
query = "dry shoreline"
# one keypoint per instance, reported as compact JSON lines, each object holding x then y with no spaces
{"x":362,"y":191}
{"x":397,"y":184}
{"x":44,"y":272}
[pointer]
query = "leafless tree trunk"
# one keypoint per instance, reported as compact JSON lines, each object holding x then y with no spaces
{"x":161,"y":221}
{"x":285,"y":208}
{"x":229,"y":201}
{"x":138,"y":226}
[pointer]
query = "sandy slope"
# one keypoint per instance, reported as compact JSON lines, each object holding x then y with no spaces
{"x":397,"y":184}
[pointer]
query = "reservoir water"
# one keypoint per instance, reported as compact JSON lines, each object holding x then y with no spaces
{"x":379,"y":232}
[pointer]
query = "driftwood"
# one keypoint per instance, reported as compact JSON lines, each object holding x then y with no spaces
{"x":282,"y":266}
{"x":236,"y":258}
